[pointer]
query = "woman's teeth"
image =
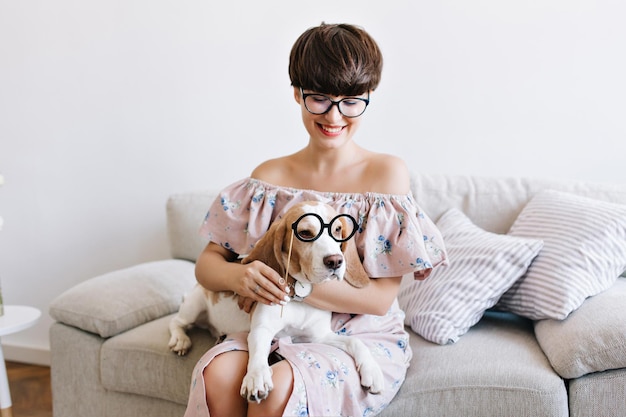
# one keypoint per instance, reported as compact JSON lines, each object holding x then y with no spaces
{"x":330,"y":129}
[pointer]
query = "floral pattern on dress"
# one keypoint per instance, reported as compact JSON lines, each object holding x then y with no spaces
{"x":229,"y":205}
{"x":394,"y":237}
{"x":309,"y":359}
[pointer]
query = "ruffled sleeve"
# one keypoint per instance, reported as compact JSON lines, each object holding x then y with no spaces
{"x":395,"y":236}
{"x":399,"y":238}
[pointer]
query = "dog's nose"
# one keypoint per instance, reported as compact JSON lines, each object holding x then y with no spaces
{"x":333,"y":261}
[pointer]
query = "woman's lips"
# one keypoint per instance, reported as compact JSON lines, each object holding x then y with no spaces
{"x":331,"y":130}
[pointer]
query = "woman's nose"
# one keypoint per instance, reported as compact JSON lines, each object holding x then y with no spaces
{"x":334,"y":115}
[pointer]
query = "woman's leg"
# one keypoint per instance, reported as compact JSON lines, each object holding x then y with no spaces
{"x":275,"y":403}
{"x":222,"y":380}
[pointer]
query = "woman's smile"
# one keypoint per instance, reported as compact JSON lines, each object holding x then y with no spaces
{"x":330,"y":130}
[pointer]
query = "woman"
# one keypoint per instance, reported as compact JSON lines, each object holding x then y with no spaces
{"x":333,"y":71}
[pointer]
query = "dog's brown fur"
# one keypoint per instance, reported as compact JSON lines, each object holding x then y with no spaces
{"x":271,"y":247}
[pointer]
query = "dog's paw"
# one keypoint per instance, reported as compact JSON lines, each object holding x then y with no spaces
{"x":180,"y":344}
{"x":372,"y":377}
{"x":257,"y":384}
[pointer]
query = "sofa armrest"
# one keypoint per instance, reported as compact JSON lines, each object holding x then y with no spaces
{"x":591,"y":339}
{"x":121,"y":300}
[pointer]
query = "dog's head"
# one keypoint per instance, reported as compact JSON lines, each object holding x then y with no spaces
{"x":312,"y":261}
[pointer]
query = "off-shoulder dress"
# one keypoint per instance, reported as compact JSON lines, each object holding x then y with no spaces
{"x":395,"y":237}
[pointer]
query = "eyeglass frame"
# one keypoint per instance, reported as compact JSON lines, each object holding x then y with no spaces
{"x":334,"y":103}
{"x":294,"y":227}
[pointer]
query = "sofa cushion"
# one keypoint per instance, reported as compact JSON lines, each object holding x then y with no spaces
{"x":584,"y":252}
{"x":140,"y":362}
{"x":600,"y":394}
{"x":482,"y":267}
{"x":591,"y":339}
{"x":496,"y":369}
{"x":115,"y":302}
{"x":185,"y":213}
{"x":493,"y":203}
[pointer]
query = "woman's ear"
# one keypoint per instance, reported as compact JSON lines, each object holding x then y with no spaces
{"x":296,"y":94}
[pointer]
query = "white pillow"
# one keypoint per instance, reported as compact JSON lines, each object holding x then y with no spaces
{"x":584,"y":253}
{"x":482,"y":267}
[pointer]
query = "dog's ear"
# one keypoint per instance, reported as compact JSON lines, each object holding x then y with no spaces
{"x":355,"y":273}
{"x":269,"y":248}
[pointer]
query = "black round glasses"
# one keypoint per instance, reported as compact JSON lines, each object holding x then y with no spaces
{"x":310,"y":226}
{"x":350,"y":107}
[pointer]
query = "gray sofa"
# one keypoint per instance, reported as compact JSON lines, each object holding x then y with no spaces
{"x":109,"y":342}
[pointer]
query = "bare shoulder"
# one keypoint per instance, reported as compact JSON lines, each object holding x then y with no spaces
{"x":389,"y":174}
{"x":272,"y":170}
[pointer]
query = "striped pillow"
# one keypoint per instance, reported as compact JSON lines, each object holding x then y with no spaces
{"x":482,"y":267}
{"x":584,"y":253}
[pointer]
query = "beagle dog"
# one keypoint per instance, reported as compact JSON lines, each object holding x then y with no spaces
{"x":309,"y":245}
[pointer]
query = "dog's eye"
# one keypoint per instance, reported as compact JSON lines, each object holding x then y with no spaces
{"x":306,"y":234}
{"x":337,"y":230}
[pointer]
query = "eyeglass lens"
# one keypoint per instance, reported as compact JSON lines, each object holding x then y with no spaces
{"x":320,"y":104}
{"x":310,"y":226}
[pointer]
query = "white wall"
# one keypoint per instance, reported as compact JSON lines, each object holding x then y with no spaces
{"x":107,"y":107}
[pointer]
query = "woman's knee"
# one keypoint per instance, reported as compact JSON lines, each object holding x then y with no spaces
{"x":276,"y":402}
{"x":222,"y":382}
{"x":226,"y":365}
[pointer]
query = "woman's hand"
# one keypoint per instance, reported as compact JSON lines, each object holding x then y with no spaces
{"x":261,"y":283}
{"x":217,"y":269}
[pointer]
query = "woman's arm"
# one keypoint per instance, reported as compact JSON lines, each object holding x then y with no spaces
{"x":339,"y":296}
{"x":217,"y":269}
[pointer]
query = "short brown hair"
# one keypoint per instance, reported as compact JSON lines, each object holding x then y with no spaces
{"x":335,"y":59}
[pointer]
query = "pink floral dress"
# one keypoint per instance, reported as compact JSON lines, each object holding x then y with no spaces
{"x":394,"y":238}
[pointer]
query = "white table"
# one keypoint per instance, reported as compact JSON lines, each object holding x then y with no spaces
{"x":15,"y":319}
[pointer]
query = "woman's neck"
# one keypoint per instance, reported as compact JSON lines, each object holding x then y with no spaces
{"x":331,"y":161}
{"x":331,"y":170}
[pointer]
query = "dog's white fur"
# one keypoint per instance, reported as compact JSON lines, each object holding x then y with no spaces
{"x":304,"y":323}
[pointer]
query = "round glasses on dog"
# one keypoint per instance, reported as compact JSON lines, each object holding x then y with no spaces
{"x":321,"y":104}
{"x":310,"y":226}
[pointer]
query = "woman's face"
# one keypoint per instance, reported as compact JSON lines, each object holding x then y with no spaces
{"x":331,"y":129}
